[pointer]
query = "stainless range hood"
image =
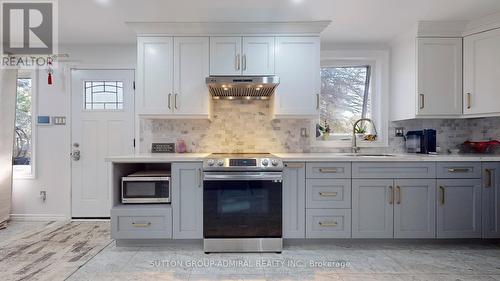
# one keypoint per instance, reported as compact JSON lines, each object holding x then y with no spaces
{"x":249,"y":87}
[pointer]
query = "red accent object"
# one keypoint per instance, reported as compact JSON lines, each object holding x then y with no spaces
{"x":49,"y":79}
{"x":481,"y":146}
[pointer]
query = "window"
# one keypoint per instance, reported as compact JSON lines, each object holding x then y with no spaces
{"x":23,"y":154}
{"x":103,"y":95}
{"x":345,"y":97}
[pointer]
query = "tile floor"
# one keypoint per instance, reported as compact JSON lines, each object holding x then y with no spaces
{"x":333,"y":260}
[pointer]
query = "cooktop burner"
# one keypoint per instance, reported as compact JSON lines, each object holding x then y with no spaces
{"x":242,"y":162}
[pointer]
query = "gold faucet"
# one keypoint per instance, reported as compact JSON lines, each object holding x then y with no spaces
{"x":355,"y":148}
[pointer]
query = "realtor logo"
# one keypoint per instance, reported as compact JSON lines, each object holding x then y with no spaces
{"x":27,"y":28}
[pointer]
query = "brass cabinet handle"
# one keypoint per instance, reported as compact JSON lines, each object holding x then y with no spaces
{"x":398,"y":192}
{"x":391,"y":195}
{"x":294,"y":165}
{"x":422,"y":101}
{"x":459,"y":170}
{"x":328,"y":170}
{"x":141,"y":224}
{"x":328,"y":224}
{"x":326,"y":194}
{"x":175,"y":101}
{"x":489,"y":177}
{"x":169,"y":97}
{"x":468,"y":101}
{"x":442,"y":194}
{"x":238,"y":62}
{"x":244,"y":59}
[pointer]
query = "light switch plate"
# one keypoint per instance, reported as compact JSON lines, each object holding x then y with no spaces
{"x":43,"y":120}
{"x":59,"y":120}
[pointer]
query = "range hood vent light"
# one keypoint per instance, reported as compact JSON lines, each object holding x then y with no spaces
{"x":250,"y":87}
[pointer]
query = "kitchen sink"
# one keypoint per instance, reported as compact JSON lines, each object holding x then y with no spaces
{"x":371,"y":155}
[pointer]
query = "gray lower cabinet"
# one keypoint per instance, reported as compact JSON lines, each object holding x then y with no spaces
{"x":328,"y":193}
{"x":459,"y":208}
{"x":141,"y":222}
{"x":328,"y":170}
{"x":414,"y":208}
{"x":187,"y":200}
{"x":328,"y":223}
{"x":372,"y":209}
{"x":491,"y":200}
{"x":294,"y":189}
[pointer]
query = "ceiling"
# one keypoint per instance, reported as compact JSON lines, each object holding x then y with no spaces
{"x":354,"y":21}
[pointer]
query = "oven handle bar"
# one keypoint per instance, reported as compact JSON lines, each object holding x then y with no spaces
{"x":255,"y":176}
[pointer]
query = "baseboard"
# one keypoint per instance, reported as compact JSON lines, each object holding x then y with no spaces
{"x":38,"y":217}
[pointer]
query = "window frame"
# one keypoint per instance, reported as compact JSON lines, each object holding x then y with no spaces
{"x":379,"y":90}
{"x":33,"y":75}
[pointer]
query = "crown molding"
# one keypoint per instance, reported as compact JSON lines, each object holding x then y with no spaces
{"x":482,"y":24}
{"x":226,"y":28}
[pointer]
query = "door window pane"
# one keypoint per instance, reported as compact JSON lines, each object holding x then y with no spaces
{"x":103,"y":95}
{"x":22,"y":154}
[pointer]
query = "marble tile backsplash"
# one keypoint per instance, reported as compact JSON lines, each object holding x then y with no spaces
{"x":246,"y":126}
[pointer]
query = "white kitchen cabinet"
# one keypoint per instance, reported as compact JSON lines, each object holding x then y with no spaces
{"x":154,"y":75}
{"x":191,"y":67}
{"x":414,"y":208}
{"x":491,"y":200}
{"x":439,"y":76}
{"x":187,"y":201}
{"x":257,"y":56}
{"x":225,"y":55}
{"x":372,"y":208}
{"x":294,"y":191}
{"x":482,"y":74}
{"x":242,"y":55}
{"x":297,"y":64}
{"x":171,"y":77}
{"x":459,"y":208}
{"x":426,"y":77}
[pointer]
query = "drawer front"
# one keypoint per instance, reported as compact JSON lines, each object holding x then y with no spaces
{"x":141,"y":225}
{"x":393,"y":170}
{"x":328,"y":223}
{"x":328,"y":170}
{"x":459,"y":170}
{"x":328,"y":193}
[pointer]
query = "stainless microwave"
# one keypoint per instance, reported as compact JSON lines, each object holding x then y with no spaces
{"x":146,"y":187}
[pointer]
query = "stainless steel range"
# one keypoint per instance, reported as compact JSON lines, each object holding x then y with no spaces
{"x":242,"y":203}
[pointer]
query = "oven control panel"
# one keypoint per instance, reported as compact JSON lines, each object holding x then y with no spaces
{"x":237,"y":163}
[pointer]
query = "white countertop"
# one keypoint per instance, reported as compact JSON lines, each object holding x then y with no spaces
{"x":309,"y":157}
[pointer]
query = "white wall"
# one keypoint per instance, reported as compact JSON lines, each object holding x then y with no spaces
{"x":53,"y":143}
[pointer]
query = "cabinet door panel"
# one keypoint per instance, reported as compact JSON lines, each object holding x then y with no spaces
{"x":258,"y":56}
{"x":155,"y":75}
{"x":187,"y":201}
{"x":372,"y":209}
{"x":298,"y":67}
{"x":294,"y":192}
{"x":414,"y":208}
{"x":491,"y":200}
{"x":225,"y":55}
{"x":439,"y":72}
{"x":459,"y":208}
{"x":482,"y":73}
{"x":191,"y":67}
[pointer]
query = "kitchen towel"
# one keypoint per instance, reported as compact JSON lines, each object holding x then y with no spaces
{"x":8,"y":85}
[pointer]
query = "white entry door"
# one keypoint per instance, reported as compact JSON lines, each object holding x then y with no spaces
{"x":102,"y":125}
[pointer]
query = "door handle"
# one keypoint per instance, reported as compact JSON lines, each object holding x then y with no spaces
{"x":442,"y":194}
{"x":169,"y":97}
{"x":244,"y":58}
{"x":422,"y":101}
{"x":391,"y":195}
{"x":175,"y":101}
{"x":75,"y":155}
{"x":489,"y":175}
{"x":398,"y":193}
{"x":238,"y":62}
{"x":468,"y":101}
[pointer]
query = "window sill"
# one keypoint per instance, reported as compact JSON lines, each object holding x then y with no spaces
{"x":347,"y":143}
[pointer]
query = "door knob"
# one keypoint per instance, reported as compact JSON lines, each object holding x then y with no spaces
{"x":75,"y":154}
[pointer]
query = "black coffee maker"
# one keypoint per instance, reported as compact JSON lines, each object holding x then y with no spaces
{"x":421,"y":141}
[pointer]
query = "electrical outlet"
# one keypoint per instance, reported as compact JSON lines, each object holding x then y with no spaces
{"x":399,"y":132}
{"x":303,"y":132}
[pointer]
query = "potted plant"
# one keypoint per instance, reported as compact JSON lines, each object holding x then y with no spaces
{"x":325,"y":130}
{"x":360,"y":130}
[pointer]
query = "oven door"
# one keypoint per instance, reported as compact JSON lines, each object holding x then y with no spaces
{"x":242,"y":205}
{"x":136,"y":190}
